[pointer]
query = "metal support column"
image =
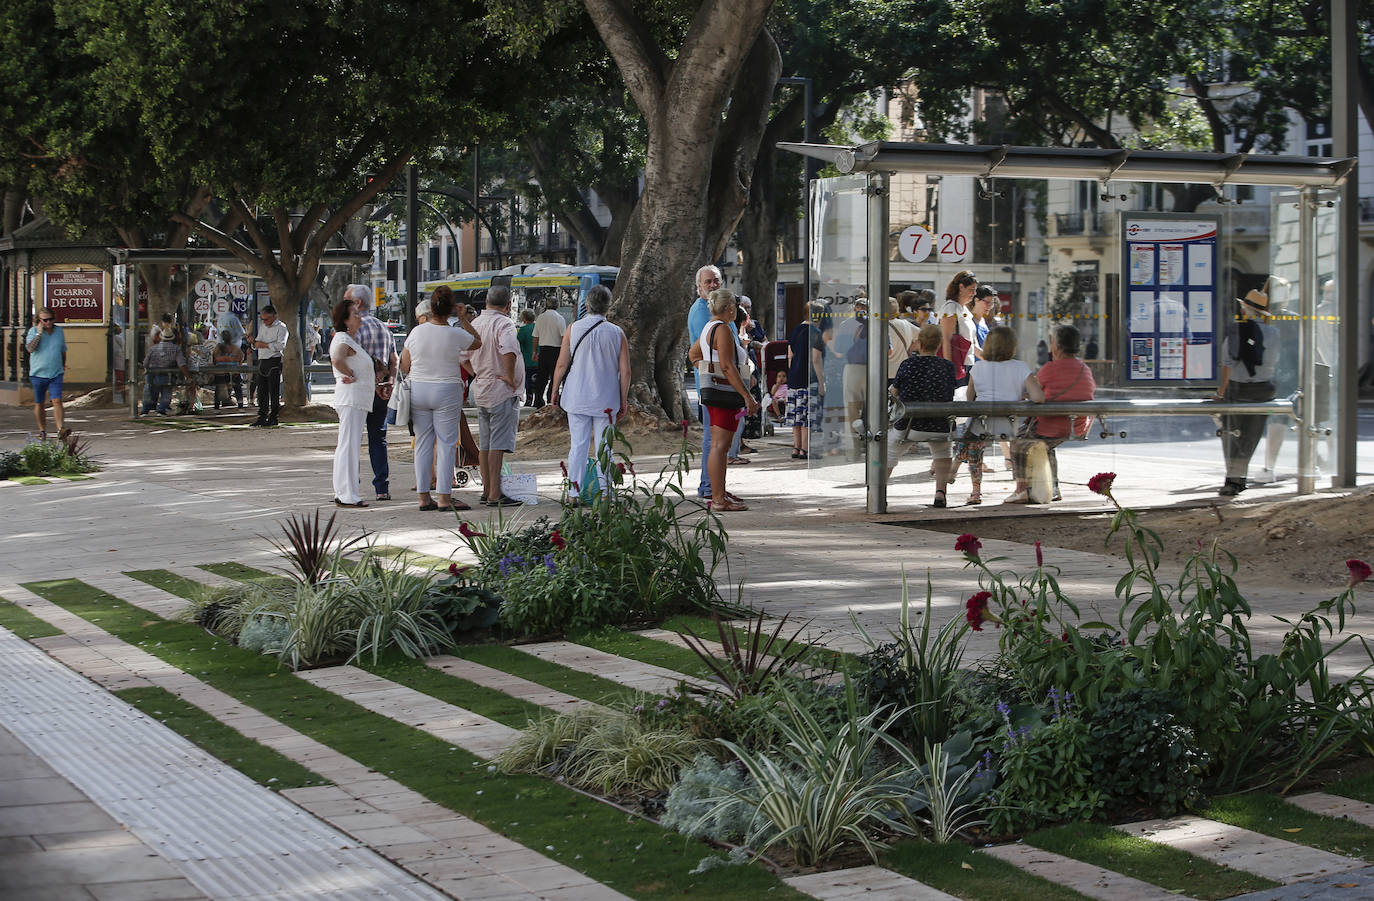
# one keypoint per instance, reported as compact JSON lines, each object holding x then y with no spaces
{"x":412,"y":246}
{"x":133,"y":378}
{"x":1345,"y":143}
{"x":1307,"y":339}
{"x":875,"y":399}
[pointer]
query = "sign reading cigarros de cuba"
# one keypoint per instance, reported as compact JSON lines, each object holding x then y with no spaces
{"x":75,"y":296}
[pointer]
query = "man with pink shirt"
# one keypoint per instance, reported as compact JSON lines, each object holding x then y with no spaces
{"x":497,"y":387}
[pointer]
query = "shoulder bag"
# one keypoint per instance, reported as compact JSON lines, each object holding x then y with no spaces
{"x":716,"y":391}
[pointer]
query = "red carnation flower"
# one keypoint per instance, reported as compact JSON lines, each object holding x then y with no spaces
{"x":557,"y":540}
{"x":968,"y":543}
{"x":1359,"y":571}
{"x":456,"y":570}
{"x":620,"y":467}
{"x":976,"y":610}
{"x":1102,"y":483}
{"x":468,"y":532}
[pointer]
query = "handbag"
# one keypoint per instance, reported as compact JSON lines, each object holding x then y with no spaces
{"x":710,"y":393}
{"x":398,"y":408}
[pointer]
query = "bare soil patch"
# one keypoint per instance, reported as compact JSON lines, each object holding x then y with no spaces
{"x":544,"y":433}
{"x":1295,"y":542}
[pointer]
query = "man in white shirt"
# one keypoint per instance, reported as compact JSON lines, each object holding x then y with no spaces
{"x":498,"y":385}
{"x":548,"y":334}
{"x":270,"y":343}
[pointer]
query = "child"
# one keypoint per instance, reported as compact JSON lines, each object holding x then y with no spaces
{"x":778,"y":400}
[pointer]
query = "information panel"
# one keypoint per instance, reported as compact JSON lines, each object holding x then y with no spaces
{"x":1170,"y":299}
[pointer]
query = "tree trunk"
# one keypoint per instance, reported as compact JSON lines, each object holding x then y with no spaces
{"x":697,"y":171}
{"x":287,"y":301}
{"x":757,"y":236}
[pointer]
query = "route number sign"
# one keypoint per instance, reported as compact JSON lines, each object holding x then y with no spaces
{"x":916,"y":243}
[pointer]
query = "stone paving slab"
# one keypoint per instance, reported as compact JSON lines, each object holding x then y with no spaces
{"x":159,"y":785}
{"x":1084,"y":878}
{"x":470,"y":731}
{"x":870,"y":883}
{"x":1356,"y":885}
{"x":1241,"y":849}
{"x":508,"y":683}
{"x":392,"y":816}
{"x":1335,"y":806}
{"x":643,"y":677}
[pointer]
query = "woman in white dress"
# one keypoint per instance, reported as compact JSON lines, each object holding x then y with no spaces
{"x":357,"y":384}
{"x":431,"y":359}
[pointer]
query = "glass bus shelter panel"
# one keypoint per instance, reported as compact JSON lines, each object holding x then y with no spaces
{"x":1307,"y":327}
{"x":839,"y":255}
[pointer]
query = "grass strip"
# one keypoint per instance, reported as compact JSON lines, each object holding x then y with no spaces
{"x":645,"y":650}
{"x":241,"y":573}
{"x":72,"y":476}
{"x":1148,"y":861}
{"x":168,"y":581}
{"x":254,"y":759}
{"x":635,"y":857}
{"x":586,"y":686}
{"x":961,"y":871}
{"x":415,"y":558}
{"x":23,"y":623}
{"x":1271,"y":815}
{"x":1360,"y":788}
{"x":28,"y":480}
{"x":488,"y":702}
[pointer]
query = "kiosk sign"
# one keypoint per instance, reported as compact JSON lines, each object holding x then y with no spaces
{"x":75,"y":297}
{"x":1169,"y":298}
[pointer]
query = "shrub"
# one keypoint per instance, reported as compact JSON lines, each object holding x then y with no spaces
{"x":11,"y":464}
{"x":692,"y":807}
{"x":606,"y":750}
{"x":1046,"y":772}
{"x":264,"y":633}
{"x":395,"y":609}
{"x":324,"y":620}
{"x":631,"y":555}
{"x":918,"y":671}
{"x":50,"y":457}
{"x":1143,"y":754}
{"x":749,"y":663}
{"x":313,"y":549}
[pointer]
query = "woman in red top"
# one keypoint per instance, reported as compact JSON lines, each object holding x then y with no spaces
{"x":1064,"y":378}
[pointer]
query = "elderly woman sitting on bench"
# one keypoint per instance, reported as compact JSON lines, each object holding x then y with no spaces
{"x":1064,"y":378}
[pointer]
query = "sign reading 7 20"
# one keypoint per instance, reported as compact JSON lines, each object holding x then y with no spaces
{"x":916,"y":243}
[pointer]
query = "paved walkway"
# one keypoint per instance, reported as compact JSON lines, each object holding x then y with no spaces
{"x":175,"y":499}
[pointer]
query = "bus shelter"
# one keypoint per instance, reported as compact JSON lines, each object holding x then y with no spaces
{"x":1146,"y":252}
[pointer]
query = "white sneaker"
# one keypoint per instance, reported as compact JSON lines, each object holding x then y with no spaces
{"x":1266,"y":476}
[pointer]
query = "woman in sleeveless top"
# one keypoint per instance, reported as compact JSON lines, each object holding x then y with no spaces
{"x":591,"y":383}
{"x":719,"y":351}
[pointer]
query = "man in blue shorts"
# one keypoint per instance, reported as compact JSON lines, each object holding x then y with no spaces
{"x":47,"y":348}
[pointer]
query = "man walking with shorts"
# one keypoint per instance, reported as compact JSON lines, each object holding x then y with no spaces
{"x":497,"y":386}
{"x":47,"y":348}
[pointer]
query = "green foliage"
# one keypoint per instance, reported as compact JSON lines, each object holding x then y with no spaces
{"x":1046,"y":774}
{"x":1255,"y":718}
{"x":822,"y":788}
{"x":751,"y":661}
{"x":11,"y":464}
{"x":918,"y":670}
{"x":41,"y":458}
{"x":1143,"y":755}
{"x":266,"y":633}
{"x":692,"y":807}
{"x":636,"y":553}
{"x":946,"y":786}
{"x":396,"y":609}
{"x":607,"y":751}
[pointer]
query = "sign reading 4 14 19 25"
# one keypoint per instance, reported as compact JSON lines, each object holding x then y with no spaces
{"x":916,"y":243}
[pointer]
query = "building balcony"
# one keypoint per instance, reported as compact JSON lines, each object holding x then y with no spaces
{"x":1079,"y":223}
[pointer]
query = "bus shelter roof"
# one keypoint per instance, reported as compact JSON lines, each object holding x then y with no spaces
{"x":1007,"y":161}
{"x":206,"y":256}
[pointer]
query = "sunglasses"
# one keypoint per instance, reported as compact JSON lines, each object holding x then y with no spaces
{"x":45,"y":319}
{"x":925,"y":309}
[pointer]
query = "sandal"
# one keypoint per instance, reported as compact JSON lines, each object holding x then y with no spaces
{"x":796,"y":453}
{"x":940,"y":500}
{"x":384,"y":495}
{"x":728,"y":507}
{"x":736,"y":461}
{"x":425,"y":508}
{"x":974,"y":500}
{"x":1019,"y":496}
{"x":802,"y":455}
{"x":339,"y":503}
